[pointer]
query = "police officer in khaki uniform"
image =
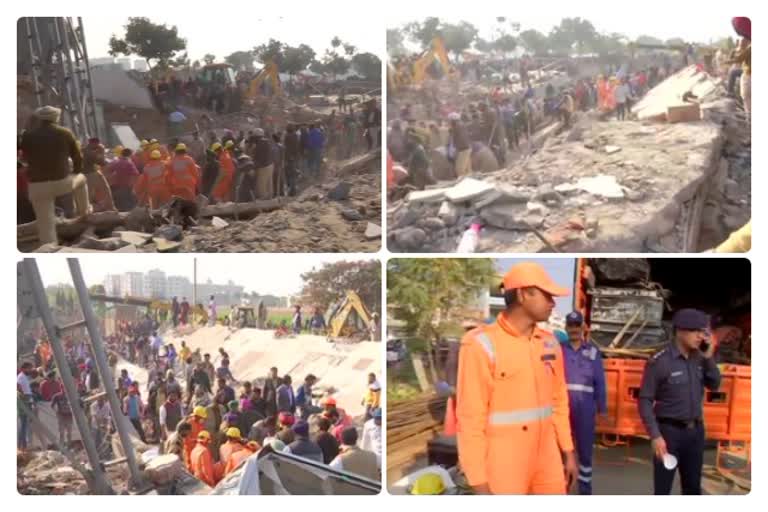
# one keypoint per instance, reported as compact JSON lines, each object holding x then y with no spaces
{"x":670,"y":400}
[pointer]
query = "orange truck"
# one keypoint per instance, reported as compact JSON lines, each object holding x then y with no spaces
{"x":655,"y":288}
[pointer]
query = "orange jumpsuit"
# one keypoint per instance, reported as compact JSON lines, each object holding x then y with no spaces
{"x":202,"y":464}
{"x":236,"y":459}
{"x":601,"y":94}
{"x":152,"y":186}
{"x":512,"y":410}
{"x":191,"y":441}
{"x":183,"y":177}
{"x":222,"y":188}
{"x":228,"y":449}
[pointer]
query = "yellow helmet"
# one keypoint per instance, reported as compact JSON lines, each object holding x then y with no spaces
{"x":155,"y":155}
{"x":229,"y":144}
{"x":233,"y":432}
{"x":200,"y":412}
{"x":428,"y":484}
{"x":215,"y":146}
{"x":144,"y":143}
{"x":153,"y":141}
{"x":204,"y":435}
{"x":117,"y":150}
{"x":181,"y":147}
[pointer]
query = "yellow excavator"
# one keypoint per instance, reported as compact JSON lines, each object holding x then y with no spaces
{"x":270,"y":74}
{"x":416,"y":71}
{"x":349,"y":319}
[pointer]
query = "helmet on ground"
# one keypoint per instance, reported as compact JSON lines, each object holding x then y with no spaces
{"x":200,"y":412}
{"x":428,"y":484}
{"x":155,"y":155}
{"x":233,"y":432}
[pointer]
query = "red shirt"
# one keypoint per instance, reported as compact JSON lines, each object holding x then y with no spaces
{"x":122,"y":173}
{"x":49,"y":388}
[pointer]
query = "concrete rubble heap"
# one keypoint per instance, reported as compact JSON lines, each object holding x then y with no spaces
{"x":632,"y":186}
{"x":313,"y":221}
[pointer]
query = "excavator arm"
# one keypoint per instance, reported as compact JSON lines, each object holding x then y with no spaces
{"x":437,"y":53}
{"x":268,"y":72}
{"x":337,"y":323}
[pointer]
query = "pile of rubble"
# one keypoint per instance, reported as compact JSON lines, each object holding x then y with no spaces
{"x":630,"y":186}
{"x":339,"y":214}
{"x":49,"y":472}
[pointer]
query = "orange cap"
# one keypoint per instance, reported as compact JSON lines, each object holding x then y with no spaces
{"x":527,"y":274}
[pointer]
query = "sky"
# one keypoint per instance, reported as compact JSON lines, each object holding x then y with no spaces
{"x":561,"y":270}
{"x":630,"y":20}
{"x":275,"y":274}
{"x":233,"y":33}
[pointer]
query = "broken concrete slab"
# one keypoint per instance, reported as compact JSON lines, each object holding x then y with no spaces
{"x":435,"y":195}
{"x":372,"y":231}
{"x":511,"y":216}
{"x":432,"y":224}
{"x":685,"y":113}
{"x":135,"y":238}
{"x":612,"y":149}
{"x":219,"y":223}
{"x":468,"y":189}
{"x":100,"y":244}
{"x":601,"y":185}
{"x":164,"y":245}
{"x":448,"y":213}
{"x":340,"y":192}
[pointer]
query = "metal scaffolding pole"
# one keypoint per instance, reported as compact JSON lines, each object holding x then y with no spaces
{"x":101,"y":484}
{"x":107,"y":379}
{"x":35,"y":60}
{"x":91,"y":98}
{"x":70,"y":78}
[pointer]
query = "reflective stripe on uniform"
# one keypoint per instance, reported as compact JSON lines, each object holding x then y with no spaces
{"x":521,"y":416}
{"x":585,"y":479}
{"x":154,"y":171}
{"x":580,"y":387}
{"x":585,"y":469}
{"x":179,"y":164}
{"x":485,"y":342}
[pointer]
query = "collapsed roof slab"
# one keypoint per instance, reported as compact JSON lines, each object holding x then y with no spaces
{"x":252,"y":352}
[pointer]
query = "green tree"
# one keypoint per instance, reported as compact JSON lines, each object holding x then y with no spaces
{"x":368,"y":66}
{"x":317,"y":66}
{"x":423,"y":32}
{"x":242,"y":60}
{"x":209,"y":58}
{"x":296,"y":58}
{"x":270,"y":51}
{"x":395,"y":40}
{"x":534,"y":42}
{"x":329,"y":283}
{"x":610,"y":44}
{"x":99,"y":307}
{"x":483,"y":45}
{"x":572,"y":33}
{"x":429,"y":294}
{"x":505,"y":44}
{"x":148,"y":40}
{"x":459,"y":37}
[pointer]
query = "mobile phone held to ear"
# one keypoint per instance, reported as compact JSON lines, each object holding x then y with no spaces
{"x":704,"y":346}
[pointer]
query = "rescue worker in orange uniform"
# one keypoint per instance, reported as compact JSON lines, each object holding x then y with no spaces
{"x":142,"y":156}
{"x":197,"y":420}
{"x":151,"y":188}
{"x":155,"y":145}
{"x":239,"y":456}
{"x":183,"y":174}
{"x":202,"y":466}
{"x":513,"y":427}
{"x":222,"y":188}
{"x":233,"y":444}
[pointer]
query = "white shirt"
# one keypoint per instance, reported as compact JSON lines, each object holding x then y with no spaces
{"x":100,"y":414}
{"x":156,"y":342}
{"x":621,"y":93}
{"x":371,"y":439}
{"x":23,"y":381}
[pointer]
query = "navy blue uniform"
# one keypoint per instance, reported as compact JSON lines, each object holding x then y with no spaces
{"x":670,"y":403}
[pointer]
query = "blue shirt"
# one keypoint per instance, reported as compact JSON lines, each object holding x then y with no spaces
{"x":585,"y":377}
{"x":315,"y":139}
{"x":673,"y":387}
{"x":133,"y":407}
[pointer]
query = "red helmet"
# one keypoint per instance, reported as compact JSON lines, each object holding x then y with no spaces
{"x":329,"y":401}
{"x":286,"y":418}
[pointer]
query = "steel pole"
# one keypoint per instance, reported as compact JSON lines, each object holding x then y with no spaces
{"x":107,"y":379}
{"x":72,"y":83}
{"x":91,"y":96}
{"x":35,"y":61}
{"x":101,"y":484}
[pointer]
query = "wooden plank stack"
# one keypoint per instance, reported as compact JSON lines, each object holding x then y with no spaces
{"x":410,"y":424}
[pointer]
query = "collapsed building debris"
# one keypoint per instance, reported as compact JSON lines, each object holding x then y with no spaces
{"x":632,"y":186}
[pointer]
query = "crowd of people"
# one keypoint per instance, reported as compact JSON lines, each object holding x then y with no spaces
{"x":198,"y":410}
{"x":264,"y":163}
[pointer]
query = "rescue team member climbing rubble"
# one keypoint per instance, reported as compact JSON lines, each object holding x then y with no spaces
{"x":670,"y":401}
{"x":513,"y":426}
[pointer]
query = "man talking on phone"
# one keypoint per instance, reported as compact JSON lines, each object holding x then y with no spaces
{"x":670,"y":401}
